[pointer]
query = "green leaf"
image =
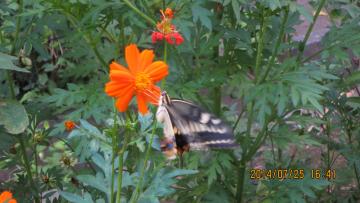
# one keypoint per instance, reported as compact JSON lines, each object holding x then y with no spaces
{"x":13,"y":116}
{"x":97,"y":182}
{"x":305,"y":12}
{"x":353,"y":79}
{"x":202,"y":14}
{"x":71,"y":197}
{"x":6,"y":63}
{"x":236,"y":8}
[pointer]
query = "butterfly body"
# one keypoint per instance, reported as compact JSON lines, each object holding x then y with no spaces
{"x":191,"y":127}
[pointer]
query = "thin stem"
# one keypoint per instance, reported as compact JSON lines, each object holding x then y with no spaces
{"x":308,"y":32}
{"x":163,"y":82}
{"x":36,"y":161}
{"x":11,"y":84}
{"x":238,"y":120}
{"x":114,"y":149}
{"x":13,"y":49}
{"x":27,"y":167}
{"x":328,"y":47}
{"x":217,"y":100}
{"x":141,"y":178}
{"x":121,"y":165}
{"x":260,"y":45}
{"x":277,"y":45}
{"x":136,"y":10}
{"x":241,"y":178}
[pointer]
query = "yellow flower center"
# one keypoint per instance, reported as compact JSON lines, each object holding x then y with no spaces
{"x":142,"y":81}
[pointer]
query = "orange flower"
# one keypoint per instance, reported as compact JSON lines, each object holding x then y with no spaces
{"x":138,"y":79}
{"x":7,"y":197}
{"x":168,"y":13}
{"x":69,"y":125}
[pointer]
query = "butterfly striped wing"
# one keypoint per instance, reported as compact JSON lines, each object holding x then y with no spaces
{"x":195,"y":128}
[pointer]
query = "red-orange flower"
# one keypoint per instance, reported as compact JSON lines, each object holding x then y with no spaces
{"x":69,"y":125}
{"x":166,"y":30}
{"x":138,"y":79}
{"x":7,"y":197}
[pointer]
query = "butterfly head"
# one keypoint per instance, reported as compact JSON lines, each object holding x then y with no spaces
{"x":164,"y":99}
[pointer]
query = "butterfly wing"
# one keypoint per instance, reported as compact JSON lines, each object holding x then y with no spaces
{"x":197,"y":127}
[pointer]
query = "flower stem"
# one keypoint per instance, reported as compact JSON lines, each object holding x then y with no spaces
{"x":135,"y":195}
{"x":136,"y":10}
{"x":260,"y":45}
{"x":27,"y":167}
{"x":163,"y":82}
{"x":121,"y":164}
{"x":114,"y":149}
{"x":308,"y":32}
{"x":277,"y":45}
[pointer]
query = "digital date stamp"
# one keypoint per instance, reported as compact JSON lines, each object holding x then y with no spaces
{"x":291,"y":173}
{"x":279,"y":174}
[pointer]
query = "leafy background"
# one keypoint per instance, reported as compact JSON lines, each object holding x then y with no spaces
{"x":293,"y":103}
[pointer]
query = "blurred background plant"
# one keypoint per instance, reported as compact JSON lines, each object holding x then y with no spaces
{"x":288,"y":88}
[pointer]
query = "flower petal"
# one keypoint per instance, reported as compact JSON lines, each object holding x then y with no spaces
{"x":141,"y":101}
{"x":132,"y":55}
{"x":121,"y":76}
{"x":123,"y":101}
{"x":116,"y":66}
{"x":116,"y":89}
{"x":157,"y":71}
{"x":152,"y":95}
{"x":6,"y":195}
{"x":146,"y":58}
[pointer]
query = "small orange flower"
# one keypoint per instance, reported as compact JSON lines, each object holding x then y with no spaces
{"x":138,"y":79}
{"x":7,"y":197}
{"x":69,"y":125}
{"x":168,"y":13}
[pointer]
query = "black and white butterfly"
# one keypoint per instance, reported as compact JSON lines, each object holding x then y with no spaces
{"x":188,"y":126}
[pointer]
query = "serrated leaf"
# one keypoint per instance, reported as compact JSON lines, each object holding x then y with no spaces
{"x":353,"y":79}
{"x":97,"y":182}
{"x":13,"y":116}
{"x":202,"y":14}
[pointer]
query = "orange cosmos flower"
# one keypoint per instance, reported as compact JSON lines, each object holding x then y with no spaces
{"x":69,"y":125}
{"x":6,"y":196}
{"x":138,"y":79}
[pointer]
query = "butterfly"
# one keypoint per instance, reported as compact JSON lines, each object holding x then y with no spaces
{"x":188,"y":126}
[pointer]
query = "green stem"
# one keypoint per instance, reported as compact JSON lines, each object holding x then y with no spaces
{"x":260,"y":46}
{"x":237,"y":120}
{"x":28,"y":168}
{"x":308,"y":32}
{"x":217,"y":100}
{"x":136,"y":10}
{"x":13,"y":49}
{"x":241,"y":178}
{"x":142,"y":173}
{"x":11,"y":84}
{"x":329,"y":47}
{"x":277,"y":45}
{"x":114,"y":149}
{"x":163,"y":82}
{"x":121,"y":165}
